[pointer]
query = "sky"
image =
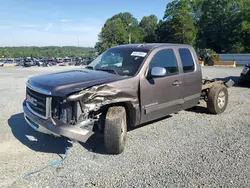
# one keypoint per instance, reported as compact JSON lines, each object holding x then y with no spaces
{"x":65,"y":22}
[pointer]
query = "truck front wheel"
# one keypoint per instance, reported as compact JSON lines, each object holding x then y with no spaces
{"x":217,"y":99}
{"x":115,"y":130}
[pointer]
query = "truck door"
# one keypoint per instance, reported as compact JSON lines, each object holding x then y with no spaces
{"x":192,"y":78}
{"x":161,"y":96}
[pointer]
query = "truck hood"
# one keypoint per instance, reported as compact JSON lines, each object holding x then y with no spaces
{"x":63,"y":83}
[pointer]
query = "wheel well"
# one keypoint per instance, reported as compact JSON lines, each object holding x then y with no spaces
{"x":130,"y":112}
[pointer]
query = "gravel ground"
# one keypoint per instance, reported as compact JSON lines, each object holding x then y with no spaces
{"x":189,"y":149}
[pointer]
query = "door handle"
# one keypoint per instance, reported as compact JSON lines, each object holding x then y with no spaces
{"x":176,"y":83}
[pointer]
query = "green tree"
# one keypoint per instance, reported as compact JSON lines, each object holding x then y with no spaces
{"x":148,"y":26}
{"x":44,"y":52}
{"x":121,"y":28}
{"x":98,"y":47}
{"x":178,"y":23}
{"x":245,"y":25}
{"x":218,"y":24}
{"x":163,"y":32}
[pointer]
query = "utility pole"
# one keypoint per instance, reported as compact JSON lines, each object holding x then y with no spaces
{"x":78,"y":41}
{"x":129,"y":36}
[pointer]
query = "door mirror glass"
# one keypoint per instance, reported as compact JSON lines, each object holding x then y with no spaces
{"x":158,"y":72}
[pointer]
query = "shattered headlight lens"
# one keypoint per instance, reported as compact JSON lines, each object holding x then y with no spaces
{"x":245,"y":70}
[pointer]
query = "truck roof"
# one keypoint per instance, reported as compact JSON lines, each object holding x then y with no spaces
{"x":150,"y":46}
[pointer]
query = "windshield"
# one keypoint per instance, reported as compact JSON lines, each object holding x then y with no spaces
{"x":121,"y":61}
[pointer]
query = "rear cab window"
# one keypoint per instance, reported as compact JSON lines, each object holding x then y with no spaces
{"x":187,"y":60}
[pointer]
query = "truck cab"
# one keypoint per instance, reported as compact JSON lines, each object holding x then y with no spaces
{"x":170,"y":81}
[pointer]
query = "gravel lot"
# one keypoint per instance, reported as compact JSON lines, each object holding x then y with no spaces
{"x":189,"y":149}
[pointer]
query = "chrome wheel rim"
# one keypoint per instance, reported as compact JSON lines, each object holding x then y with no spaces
{"x":221,"y":99}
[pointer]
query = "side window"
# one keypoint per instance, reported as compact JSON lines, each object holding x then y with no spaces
{"x":166,"y":59}
{"x":187,"y":60}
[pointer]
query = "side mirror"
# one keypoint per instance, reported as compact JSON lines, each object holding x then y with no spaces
{"x":158,"y":72}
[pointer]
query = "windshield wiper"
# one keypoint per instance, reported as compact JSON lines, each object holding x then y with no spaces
{"x":108,"y":70}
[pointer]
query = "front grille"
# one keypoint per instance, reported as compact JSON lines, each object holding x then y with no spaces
{"x":37,"y":102}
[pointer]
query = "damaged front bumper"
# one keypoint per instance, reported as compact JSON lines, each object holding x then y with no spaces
{"x":56,"y":127}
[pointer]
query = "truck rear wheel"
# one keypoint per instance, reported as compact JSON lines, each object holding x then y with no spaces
{"x":217,"y":99}
{"x":115,"y":130}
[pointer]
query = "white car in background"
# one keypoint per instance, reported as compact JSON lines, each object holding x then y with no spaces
{"x":1,"y":63}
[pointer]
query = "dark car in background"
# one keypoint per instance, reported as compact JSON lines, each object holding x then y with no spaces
{"x":19,"y":62}
{"x":68,"y":61}
{"x":9,"y":61}
{"x":245,"y":75}
{"x":58,"y":60}
{"x":48,"y":62}
{"x":51,"y":62}
{"x":38,"y":62}
{"x":28,"y":63}
{"x":89,"y":60}
{"x":79,"y":61}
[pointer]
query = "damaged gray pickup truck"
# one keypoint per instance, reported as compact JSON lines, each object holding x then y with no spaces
{"x":127,"y":85}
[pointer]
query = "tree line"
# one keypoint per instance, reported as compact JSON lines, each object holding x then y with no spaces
{"x":220,"y":25}
{"x":45,"y":52}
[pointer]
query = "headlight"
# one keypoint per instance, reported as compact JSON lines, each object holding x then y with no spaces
{"x":245,"y":70}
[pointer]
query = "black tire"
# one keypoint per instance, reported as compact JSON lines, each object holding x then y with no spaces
{"x":216,"y":96}
{"x":210,"y":62}
{"x":241,"y":83}
{"x":115,"y":130}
